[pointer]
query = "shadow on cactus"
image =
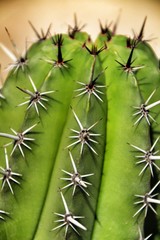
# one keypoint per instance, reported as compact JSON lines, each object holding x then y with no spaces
{"x":79,"y":138}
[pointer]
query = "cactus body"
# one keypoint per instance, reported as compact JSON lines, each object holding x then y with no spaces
{"x":83,"y":157}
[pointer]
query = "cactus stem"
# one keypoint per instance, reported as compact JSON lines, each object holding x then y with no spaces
{"x":36,"y":97}
{"x":19,"y":139}
{"x":147,"y":199}
{"x":84,"y":136}
{"x":76,"y":179}
{"x":148,"y":157}
{"x":144,"y":110}
{"x":7,"y":174}
{"x":41,"y":36}
{"x":68,"y":219}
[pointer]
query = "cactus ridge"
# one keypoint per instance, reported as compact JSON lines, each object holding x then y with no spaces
{"x":90,"y":166}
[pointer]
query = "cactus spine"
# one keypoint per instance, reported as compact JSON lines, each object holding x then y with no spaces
{"x":79,"y":156}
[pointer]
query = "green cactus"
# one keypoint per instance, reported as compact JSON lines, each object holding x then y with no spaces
{"x":79,"y":137}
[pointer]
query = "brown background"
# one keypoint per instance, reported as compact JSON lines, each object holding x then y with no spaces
{"x":14,"y":14}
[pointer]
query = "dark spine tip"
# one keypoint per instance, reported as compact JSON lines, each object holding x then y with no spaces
{"x":106,"y":30}
{"x":76,"y":28}
{"x":128,"y":65}
{"x":58,"y":41}
{"x":139,"y":38}
{"x":130,"y":61}
{"x":43,"y":36}
{"x":94,"y":50}
{"x":129,"y":42}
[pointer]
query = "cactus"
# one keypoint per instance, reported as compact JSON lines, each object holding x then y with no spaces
{"x":79,"y":137}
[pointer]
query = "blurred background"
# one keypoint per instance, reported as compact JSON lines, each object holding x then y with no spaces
{"x":14,"y":14}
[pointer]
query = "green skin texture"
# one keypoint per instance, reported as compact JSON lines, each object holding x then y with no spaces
{"x":119,"y":180}
{"x":109,"y":209}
